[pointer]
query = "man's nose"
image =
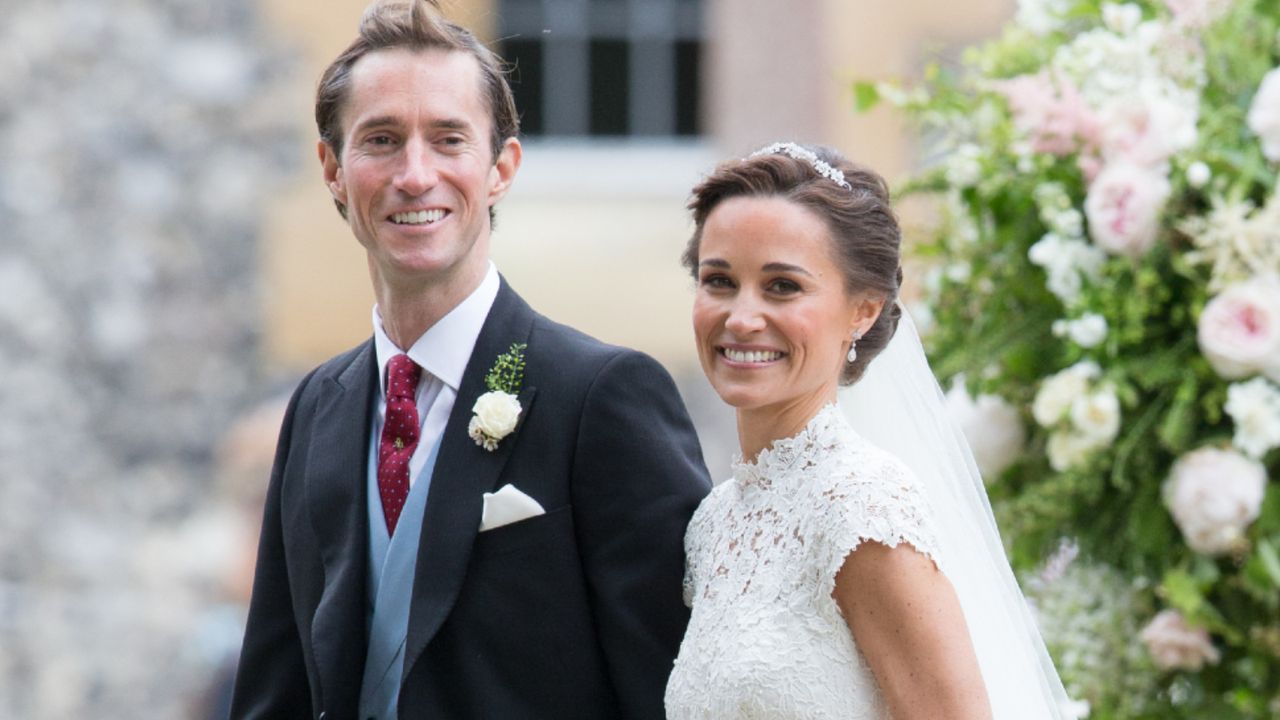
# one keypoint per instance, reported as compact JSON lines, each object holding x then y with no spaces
{"x":417,"y":173}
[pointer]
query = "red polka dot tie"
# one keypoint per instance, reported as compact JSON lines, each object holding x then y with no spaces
{"x":399,"y":437}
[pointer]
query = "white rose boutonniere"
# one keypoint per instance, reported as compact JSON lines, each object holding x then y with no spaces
{"x":496,"y":413}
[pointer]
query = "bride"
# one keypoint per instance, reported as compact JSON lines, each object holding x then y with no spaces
{"x":834,"y":576}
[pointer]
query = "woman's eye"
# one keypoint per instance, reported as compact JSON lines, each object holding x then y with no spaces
{"x":784,"y":287}
{"x":715,"y":281}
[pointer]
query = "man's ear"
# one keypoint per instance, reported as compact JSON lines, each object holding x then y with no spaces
{"x":504,"y":169}
{"x":333,"y":176}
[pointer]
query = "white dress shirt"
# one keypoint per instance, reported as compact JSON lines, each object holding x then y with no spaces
{"x":442,"y":352}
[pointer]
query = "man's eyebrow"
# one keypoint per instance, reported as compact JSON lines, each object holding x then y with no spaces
{"x":379,"y":121}
{"x":391,"y":120}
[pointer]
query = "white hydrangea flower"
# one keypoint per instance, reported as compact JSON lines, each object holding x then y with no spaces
{"x":1067,"y":263}
{"x":1254,"y":407}
{"x":964,"y":166}
{"x":1087,"y":331}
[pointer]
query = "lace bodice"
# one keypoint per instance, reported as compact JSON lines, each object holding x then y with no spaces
{"x":766,"y":639}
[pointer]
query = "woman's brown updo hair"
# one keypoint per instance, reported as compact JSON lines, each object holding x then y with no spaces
{"x":863,"y":227}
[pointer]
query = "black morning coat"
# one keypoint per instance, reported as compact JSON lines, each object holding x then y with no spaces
{"x":573,"y":614}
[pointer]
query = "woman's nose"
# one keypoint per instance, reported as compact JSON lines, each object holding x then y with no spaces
{"x":745,"y":316}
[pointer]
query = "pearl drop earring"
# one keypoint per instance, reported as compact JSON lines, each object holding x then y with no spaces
{"x":853,"y":346}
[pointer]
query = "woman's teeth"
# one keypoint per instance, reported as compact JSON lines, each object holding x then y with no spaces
{"x":752,"y":356}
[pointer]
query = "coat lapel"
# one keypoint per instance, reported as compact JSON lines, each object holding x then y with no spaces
{"x":463,"y":472}
{"x":337,"y":465}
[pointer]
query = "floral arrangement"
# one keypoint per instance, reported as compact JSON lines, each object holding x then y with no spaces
{"x":1104,"y":301}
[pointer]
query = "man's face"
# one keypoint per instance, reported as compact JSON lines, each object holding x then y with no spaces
{"x":416,"y":172}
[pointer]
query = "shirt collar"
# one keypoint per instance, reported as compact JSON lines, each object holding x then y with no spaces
{"x":444,"y":349}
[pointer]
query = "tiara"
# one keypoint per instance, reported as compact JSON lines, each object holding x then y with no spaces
{"x":799,"y":152}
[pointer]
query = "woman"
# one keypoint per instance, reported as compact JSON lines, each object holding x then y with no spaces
{"x":829,"y":578}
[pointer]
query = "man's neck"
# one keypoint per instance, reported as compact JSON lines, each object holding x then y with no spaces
{"x":408,"y":310}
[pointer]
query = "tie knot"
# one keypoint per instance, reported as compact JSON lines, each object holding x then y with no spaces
{"x":402,"y":377}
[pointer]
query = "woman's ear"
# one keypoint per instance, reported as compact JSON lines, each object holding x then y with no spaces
{"x":865,"y":313}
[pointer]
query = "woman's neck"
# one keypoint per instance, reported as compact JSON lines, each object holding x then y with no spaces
{"x":759,"y":428}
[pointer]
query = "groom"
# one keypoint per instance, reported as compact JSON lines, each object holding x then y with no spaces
{"x":419,"y":559}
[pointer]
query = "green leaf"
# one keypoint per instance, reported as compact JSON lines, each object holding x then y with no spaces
{"x":865,"y":96}
{"x":1270,"y":560}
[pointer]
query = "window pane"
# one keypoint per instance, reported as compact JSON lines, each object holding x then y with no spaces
{"x":525,"y":59}
{"x":610,"y":73}
{"x":688,"y":84}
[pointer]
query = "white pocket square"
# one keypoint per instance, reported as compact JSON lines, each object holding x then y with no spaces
{"x":506,"y":506}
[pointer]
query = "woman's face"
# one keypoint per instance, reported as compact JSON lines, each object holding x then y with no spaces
{"x":771,"y":317}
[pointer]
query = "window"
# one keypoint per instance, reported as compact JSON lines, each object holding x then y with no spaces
{"x":604,"y":68}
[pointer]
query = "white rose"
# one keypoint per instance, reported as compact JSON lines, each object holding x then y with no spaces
{"x":992,"y":427}
{"x":1123,"y":206}
{"x":1060,"y":390}
{"x":1067,"y":449}
{"x":496,"y":414}
{"x":1213,"y":495}
{"x":1175,"y":645}
{"x":1254,"y":407}
{"x":1097,"y":416}
{"x":1264,"y":114}
{"x":1239,"y":330}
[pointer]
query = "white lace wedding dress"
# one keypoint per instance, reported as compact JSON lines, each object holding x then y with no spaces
{"x":766,"y":639}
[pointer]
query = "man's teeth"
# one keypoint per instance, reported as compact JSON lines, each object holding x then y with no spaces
{"x":752,"y":356}
{"x":422,"y":217}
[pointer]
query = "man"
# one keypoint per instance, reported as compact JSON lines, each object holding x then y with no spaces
{"x":419,"y":559}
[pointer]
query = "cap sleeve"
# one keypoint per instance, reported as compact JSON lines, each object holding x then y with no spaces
{"x":876,"y":499}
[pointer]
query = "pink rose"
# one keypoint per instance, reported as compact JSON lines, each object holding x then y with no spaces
{"x":1175,"y":645}
{"x":1239,"y":330}
{"x":1213,"y":496}
{"x":1123,"y":207}
{"x":1051,"y":113}
{"x":1264,"y":115}
{"x":1146,"y":128}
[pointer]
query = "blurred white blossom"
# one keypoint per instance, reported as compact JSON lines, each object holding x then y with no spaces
{"x":1254,"y":407}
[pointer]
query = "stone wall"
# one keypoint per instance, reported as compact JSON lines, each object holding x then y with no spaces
{"x":140,"y":141}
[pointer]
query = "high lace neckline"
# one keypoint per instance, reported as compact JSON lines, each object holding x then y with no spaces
{"x":772,"y":462}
